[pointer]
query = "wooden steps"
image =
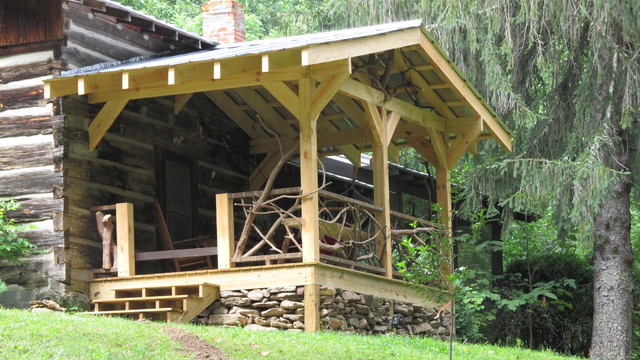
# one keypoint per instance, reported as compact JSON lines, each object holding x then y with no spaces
{"x":171,"y":303}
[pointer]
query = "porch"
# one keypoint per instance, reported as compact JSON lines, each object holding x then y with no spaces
{"x":268,"y":252}
{"x":376,"y":89}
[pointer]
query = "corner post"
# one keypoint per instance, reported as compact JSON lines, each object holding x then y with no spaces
{"x":312,"y":304}
{"x":379,"y":124}
{"x":126,"y":242}
{"x":381,"y":199}
{"x":225,"y":230}
{"x":309,"y":172}
{"x":443,"y":196}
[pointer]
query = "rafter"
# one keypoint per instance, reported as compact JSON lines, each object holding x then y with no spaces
{"x":265,"y":111}
{"x":462,"y":86}
{"x":426,"y":90}
{"x":337,"y":138}
{"x":283,"y":93}
{"x":226,"y":104}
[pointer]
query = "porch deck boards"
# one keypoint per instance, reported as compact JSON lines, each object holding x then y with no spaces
{"x":253,"y":277}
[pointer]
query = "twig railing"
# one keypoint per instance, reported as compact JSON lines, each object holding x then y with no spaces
{"x":348,"y":229}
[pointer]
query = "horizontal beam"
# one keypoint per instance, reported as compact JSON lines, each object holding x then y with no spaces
{"x":176,"y":254}
{"x":320,"y":53}
{"x":184,"y":79}
{"x":336,"y":138}
{"x":347,"y":279}
{"x":409,"y":112}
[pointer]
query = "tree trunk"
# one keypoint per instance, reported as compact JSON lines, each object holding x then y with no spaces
{"x":613,"y":279}
{"x":613,"y":257}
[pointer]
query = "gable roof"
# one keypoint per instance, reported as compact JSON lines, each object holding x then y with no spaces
{"x":227,"y":51}
{"x":397,"y":67}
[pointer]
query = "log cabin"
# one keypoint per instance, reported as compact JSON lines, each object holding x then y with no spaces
{"x":103,"y":108}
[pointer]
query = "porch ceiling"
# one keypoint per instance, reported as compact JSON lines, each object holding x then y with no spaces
{"x":423,"y":100}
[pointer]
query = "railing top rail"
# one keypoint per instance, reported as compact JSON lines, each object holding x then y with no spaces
{"x":346,"y":199}
{"x":412,"y":219}
{"x":330,"y":195}
{"x":249,"y":194}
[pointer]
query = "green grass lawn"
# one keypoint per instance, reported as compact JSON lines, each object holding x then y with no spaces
{"x":26,"y":335}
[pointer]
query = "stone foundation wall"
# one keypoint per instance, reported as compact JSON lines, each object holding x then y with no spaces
{"x":283,"y":308}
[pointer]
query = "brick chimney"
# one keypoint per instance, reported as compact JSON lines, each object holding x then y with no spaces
{"x":223,"y":21}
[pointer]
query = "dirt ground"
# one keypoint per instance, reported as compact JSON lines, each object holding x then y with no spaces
{"x":194,"y":345}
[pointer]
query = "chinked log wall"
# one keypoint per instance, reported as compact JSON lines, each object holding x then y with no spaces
{"x":42,"y":140}
{"x":123,"y":169}
{"x":31,"y":159}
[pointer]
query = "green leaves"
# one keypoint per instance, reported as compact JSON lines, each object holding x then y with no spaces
{"x":12,"y":245}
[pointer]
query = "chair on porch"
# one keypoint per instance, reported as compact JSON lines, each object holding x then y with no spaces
{"x":185,"y":263}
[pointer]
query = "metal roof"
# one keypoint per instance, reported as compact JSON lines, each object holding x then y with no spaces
{"x":415,"y":71}
{"x":147,"y":23}
{"x":225,"y":51}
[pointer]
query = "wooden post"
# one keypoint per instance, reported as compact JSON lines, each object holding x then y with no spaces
{"x":381,"y":199}
{"x":311,"y":308}
{"x":225,"y":230}
{"x":312,"y":303}
{"x":443,"y":196}
{"x":126,"y":242}
{"x":309,"y":173}
{"x":379,"y":126}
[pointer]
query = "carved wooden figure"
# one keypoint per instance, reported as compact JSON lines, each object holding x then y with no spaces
{"x":105,"y":228}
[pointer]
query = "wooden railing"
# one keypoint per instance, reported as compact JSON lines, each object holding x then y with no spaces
{"x":125,"y":256}
{"x":350,"y":232}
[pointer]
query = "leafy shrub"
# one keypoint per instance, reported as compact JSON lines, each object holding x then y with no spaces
{"x":12,"y":245}
{"x":474,"y":300}
{"x":551,"y":303}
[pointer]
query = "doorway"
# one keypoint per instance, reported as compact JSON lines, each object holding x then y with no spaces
{"x":176,"y":193}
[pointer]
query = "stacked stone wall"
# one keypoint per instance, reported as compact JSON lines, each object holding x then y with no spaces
{"x":282,"y":308}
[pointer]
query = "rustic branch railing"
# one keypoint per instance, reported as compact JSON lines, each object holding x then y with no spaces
{"x":348,"y":230}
